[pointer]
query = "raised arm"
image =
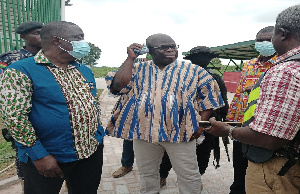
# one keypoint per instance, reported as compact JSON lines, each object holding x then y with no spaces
{"x":123,"y":75}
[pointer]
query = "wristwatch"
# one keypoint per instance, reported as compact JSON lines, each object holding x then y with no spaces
{"x":230,"y":132}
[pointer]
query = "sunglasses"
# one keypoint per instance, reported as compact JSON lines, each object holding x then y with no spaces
{"x":165,"y":47}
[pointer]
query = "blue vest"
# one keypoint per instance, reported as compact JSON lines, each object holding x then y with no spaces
{"x":48,"y":102}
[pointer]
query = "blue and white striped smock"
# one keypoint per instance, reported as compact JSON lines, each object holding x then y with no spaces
{"x":163,"y":105}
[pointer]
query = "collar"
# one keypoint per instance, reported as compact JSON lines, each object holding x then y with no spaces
{"x":256,"y":61}
{"x":42,"y":59}
{"x":167,"y":67}
{"x":288,"y":54}
{"x":272,"y":60}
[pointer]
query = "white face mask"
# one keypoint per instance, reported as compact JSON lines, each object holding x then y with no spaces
{"x":81,"y":48}
{"x":265,"y":48}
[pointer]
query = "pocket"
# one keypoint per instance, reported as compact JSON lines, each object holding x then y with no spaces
{"x":295,"y":171}
{"x":257,"y":154}
{"x":257,"y":179}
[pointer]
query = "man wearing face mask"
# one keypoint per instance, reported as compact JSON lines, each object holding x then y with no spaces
{"x":251,"y":73}
{"x":49,"y":106}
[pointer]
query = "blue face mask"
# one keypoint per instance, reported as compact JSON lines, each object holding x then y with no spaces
{"x":265,"y":48}
{"x":81,"y":48}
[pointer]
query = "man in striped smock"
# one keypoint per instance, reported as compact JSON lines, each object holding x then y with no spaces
{"x":165,"y":100}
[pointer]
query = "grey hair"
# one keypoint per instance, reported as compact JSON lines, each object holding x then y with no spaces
{"x":290,"y":19}
{"x":56,"y":28}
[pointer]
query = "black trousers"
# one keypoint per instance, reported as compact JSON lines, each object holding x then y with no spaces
{"x":203,"y":154}
{"x":240,"y":165}
{"x":165,"y":166}
{"x":82,"y":176}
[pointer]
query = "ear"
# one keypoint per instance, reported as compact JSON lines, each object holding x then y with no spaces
{"x":151,"y":52}
{"x":55,"y":40}
{"x":284,"y":33}
{"x":22,"y":36}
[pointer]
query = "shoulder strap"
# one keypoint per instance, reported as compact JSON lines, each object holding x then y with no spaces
{"x":295,"y":57}
{"x":290,"y":152}
{"x":257,"y":154}
{"x":291,"y":155}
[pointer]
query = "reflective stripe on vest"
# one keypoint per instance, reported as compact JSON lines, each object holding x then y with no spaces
{"x":251,"y":104}
{"x":254,"y":94}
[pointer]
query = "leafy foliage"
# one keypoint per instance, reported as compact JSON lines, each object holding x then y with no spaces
{"x":92,"y":57}
{"x":216,"y":64}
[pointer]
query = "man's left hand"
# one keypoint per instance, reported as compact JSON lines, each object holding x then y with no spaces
{"x":218,"y":128}
{"x":48,"y":167}
{"x":197,"y":133}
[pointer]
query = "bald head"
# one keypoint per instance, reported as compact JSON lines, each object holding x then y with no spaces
{"x":159,"y":39}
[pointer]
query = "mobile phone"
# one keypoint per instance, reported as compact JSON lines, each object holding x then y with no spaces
{"x":207,"y":123}
{"x":142,"y":51}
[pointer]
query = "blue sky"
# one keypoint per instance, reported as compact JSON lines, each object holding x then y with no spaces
{"x":113,"y":25}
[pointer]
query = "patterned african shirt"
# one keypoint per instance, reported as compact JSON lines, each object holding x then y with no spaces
{"x":12,"y":56}
{"x":51,"y":110}
{"x":278,"y":108}
{"x":163,"y":105}
{"x":251,"y":73}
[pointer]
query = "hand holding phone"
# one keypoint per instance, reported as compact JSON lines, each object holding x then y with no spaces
{"x":142,"y":51}
{"x":207,"y":124}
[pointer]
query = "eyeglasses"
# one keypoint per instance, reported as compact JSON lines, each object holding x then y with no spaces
{"x":165,"y":47}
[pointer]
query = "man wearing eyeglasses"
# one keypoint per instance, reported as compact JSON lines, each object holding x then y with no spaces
{"x":166,"y":99}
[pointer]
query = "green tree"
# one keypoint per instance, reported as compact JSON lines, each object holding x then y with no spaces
{"x":92,"y":57}
{"x":216,"y":61}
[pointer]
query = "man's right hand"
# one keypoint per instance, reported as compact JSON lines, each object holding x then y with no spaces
{"x":248,"y":89}
{"x":48,"y":167}
{"x":123,"y":75}
{"x":130,"y":51}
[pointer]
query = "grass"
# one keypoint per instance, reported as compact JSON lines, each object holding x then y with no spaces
{"x":99,"y":92}
{"x":7,"y":154}
{"x":102,"y":71}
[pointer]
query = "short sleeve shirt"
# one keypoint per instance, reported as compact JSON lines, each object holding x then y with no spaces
{"x":278,"y":107}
